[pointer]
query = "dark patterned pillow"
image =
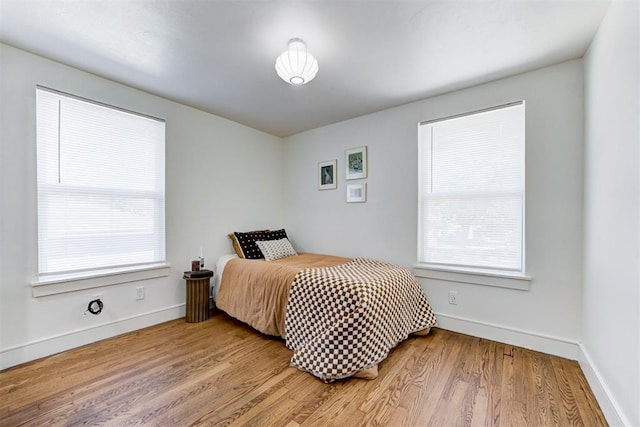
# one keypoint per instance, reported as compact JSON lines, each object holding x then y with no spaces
{"x":245,"y":243}
{"x":275,"y":234}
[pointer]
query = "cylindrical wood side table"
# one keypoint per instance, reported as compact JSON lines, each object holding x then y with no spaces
{"x":197,"y":299}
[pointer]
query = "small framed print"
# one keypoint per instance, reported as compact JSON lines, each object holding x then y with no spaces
{"x":357,"y":193}
{"x":327,"y":178}
{"x":356,"y":160}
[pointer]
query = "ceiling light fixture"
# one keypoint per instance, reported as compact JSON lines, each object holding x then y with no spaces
{"x":295,"y":65}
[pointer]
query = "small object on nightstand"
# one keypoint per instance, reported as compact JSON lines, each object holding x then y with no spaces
{"x":198,"y":274}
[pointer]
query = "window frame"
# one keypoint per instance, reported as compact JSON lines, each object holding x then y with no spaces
{"x":508,"y":278}
{"x":50,"y":283}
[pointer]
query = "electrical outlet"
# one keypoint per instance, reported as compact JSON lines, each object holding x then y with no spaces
{"x":140,"y":292}
{"x":453,"y":297}
{"x":96,"y":303}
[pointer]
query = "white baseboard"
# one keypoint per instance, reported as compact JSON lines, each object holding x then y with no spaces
{"x":538,"y":342}
{"x":45,"y":347}
{"x":615,"y":417}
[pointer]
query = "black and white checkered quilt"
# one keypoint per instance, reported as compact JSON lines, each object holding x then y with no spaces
{"x":343,"y":319}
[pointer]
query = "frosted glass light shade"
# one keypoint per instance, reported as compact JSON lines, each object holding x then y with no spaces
{"x":296,"y":66}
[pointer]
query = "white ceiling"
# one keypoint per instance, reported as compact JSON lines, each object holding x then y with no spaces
{"x":219,"y":56}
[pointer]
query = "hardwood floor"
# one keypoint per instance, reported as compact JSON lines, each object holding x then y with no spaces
{"x":221,"y":372}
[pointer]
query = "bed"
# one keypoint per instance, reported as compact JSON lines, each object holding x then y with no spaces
{"x":339,"y":316}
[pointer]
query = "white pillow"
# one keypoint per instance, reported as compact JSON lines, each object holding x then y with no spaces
{"x":276,"y":249}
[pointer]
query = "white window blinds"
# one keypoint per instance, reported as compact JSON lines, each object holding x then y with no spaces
{"x":471,"y":183}
{"x":100,"y":186}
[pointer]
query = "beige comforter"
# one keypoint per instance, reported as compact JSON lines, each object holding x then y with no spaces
{"x":256,"y":291}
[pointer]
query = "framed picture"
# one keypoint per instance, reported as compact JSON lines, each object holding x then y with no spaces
{"x":357,"y":193}
{"x":356,"y":160}
{"x":327,"y":178}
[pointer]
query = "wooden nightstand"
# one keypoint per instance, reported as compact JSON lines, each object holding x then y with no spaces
{"x":198,"y":291}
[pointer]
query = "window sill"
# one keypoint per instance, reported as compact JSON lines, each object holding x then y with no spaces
{"x":62,"y":283}
{"x":501,"y":280}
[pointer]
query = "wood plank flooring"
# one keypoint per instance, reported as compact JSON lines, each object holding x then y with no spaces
{"x":221,"y":372}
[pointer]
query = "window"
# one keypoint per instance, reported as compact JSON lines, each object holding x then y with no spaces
{"x":471,"y":190}
{"x":100,"y":186}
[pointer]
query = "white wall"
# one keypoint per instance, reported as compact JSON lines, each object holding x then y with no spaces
{"x":611,"y":313}
{"x":220,"y":177}
{"x":546,"y":317}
